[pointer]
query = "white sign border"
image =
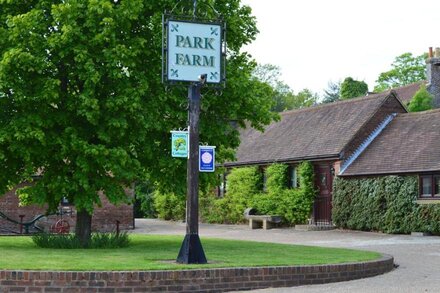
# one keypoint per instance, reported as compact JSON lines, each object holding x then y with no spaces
{"x":220,"y":83}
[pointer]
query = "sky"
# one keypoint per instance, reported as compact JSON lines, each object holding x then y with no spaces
{"x":314,"y":42}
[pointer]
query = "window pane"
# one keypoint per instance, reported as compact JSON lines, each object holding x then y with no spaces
{"x":264,"y":180}
{"x":437,"y":186}
{"x":426,"y":186}
{"x":323,"y":179}
{"x":293,"y":177}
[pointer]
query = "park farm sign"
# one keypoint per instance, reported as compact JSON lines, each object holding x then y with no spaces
{"x":193,"y":49}
{"x":194,"y":53}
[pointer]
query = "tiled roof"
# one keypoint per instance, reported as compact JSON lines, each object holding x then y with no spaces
{"x":409,"y":144}
{"x":405,"y":93}
{"x":311,"y":133}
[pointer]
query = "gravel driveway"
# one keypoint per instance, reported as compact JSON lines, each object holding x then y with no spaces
{"x":418,"y":257}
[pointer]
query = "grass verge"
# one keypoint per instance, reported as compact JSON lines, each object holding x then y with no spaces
{"x":154,"y":252}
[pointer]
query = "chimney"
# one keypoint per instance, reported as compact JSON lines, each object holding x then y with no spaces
{"x":433,"y":74}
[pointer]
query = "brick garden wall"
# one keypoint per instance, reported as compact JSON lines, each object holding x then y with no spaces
{"x":202,"y":280}
{"x":103,"y":220}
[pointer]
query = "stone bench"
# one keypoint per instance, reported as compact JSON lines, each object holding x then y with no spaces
{"x":262,"y":221}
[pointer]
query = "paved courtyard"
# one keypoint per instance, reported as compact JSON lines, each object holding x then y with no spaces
{"x":418,"y":257}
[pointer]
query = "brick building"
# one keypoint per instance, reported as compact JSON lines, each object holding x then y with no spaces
{"x":104,"y":218}
{"x":330,"y":136}
{"x":366,"y":136}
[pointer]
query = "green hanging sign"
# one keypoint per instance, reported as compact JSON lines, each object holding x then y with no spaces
{"x":179,"y":144}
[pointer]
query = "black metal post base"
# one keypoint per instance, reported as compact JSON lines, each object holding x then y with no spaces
{"x":191,"y":251}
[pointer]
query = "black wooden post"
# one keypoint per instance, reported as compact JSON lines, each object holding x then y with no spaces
{"x":191,"y":251}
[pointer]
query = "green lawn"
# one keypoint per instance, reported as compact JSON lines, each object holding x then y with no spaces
{"x":154,"y":252}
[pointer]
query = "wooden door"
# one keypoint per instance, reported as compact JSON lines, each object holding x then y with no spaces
{"x":322,"y":208}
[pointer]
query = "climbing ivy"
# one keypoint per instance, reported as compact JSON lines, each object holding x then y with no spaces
{"x":386,"y":204}
{"x":244,"y":189}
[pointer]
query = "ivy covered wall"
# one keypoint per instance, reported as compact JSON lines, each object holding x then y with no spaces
{"x":386,"y":204}
{"x":245,"y":189}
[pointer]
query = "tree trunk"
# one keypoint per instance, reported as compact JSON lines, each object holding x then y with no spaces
{"x":83,"y":228}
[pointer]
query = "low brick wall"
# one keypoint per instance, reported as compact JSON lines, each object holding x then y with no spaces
{"x":200,"y":280}
{"x":104,"y":217}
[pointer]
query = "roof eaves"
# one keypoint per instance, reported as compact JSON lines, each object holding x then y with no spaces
{"x":395,"y":172}
{"x":298,"y":159}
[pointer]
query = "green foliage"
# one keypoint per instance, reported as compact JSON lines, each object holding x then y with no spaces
{"x":283,"y":96}
{"x":213,"y":209}
{"x":169,"y":205}
{"x":82,"y":98}
{"x":303,"y":99}
{"x":276,"y":175}
{"x":351,"y":88}
{"x":144,"y":204}
{"x":70,"y":241}
{"x":296,"y":204}
{"x":385,"y":204}
{"x":421,"y":101}
{"x":307,"y":179}
{"x":244,"y":191}
{"x":332,"y":93}
{"x":406,"y":69}
{"x":242,"y":185}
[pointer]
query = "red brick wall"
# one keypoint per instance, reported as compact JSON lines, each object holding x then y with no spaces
{"x":390,"y":105}
{"x":103,"y":220}
{"x":200,"y":280}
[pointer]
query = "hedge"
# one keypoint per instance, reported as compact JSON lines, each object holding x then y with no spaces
{"x":387,"y":204}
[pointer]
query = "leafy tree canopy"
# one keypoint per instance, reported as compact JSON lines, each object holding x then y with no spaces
{"x":82,"y":104}
{"x":332,"y":93}
{"x":303,"y":99}
{"x":283,"y":96}
{"x":406,"y":69}
{"x":351,"y":88}
{"x":421,"y":101}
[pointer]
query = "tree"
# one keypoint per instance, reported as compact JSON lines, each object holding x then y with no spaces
{"x":283,"y":96}
{"x":351,"y":88}
{"x":82,"y":104}
{"x":406,"y":69}
{"x":305,"y":98}
{"x":421,"y":101}
{"x":281,"y":92}
{"x":332,"y":93}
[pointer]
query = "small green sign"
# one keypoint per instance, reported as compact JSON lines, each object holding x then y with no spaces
{"x":179,"y":144}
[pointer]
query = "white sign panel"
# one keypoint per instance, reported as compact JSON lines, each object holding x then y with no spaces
{"x":194,"y":49}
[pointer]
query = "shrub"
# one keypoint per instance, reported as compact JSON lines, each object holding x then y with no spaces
{"x":214,"y":210}
{"x":296,"y":204}
{"x":276,"y":175}
{"x":70,"y":241}
{"x":144,"y":204}
{"x":242,"y":185}
{"x":421,"y":101}
{"x":244,"y":190}
{"x":169,"y":206}
{"x":386,"y":204}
